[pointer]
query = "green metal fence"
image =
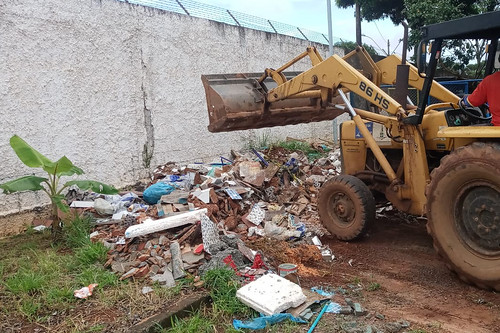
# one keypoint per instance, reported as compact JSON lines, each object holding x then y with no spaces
{"x":231,"y":17}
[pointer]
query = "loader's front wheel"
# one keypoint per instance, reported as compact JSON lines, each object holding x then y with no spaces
{"x":463,"y":210}
{"x":346,"y":207}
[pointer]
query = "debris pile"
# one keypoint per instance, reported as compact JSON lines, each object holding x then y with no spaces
{"x":174,"y":225}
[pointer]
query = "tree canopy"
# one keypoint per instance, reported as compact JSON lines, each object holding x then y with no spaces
{"x":418,"y":13}
{"x":377,"y":9}
{"x":349,"y":46}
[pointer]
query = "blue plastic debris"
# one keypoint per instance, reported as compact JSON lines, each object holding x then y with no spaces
{"x":319,"y":290}
{"x":292,"y":165}
{"x":332,"y":307}
{"x":260,"y":157}
{"x":233,"y":194}
{"x":153,"y":193}
{"x":313,"y":326}
{"x":264,"y":321}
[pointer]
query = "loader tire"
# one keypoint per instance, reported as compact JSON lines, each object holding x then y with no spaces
{"x":346,"y":207}
{"x":463,"y":210}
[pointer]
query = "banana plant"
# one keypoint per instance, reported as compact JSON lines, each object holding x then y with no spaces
{"x":52,"y":183}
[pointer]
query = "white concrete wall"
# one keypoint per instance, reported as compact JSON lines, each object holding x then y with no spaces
{"x":98,"y":81}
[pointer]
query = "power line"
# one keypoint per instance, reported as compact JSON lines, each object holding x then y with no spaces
{"x":376,"y":26}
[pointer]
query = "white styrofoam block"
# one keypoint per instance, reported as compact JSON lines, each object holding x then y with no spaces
{"x":271,"y":294}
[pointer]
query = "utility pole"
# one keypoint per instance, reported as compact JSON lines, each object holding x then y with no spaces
{"x":330,"y":33}
{"x":388,"y":48}
{"x":358,"y":24}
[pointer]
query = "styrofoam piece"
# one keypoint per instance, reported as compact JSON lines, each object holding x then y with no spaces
{"x":149,"y":226}
{"x":203,"y":195}
{"x":316,"y":241}
{"x":82,"y":204}
{"x":271,"y":294}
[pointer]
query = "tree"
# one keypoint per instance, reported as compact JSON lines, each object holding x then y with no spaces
{"x":377,"y":9}
{"x":459,"y":54}
{"x":418,"y":13}
{"x":349,"y":46}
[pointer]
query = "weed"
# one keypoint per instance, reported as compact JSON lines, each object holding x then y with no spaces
{"x":25,"y":281}
{"x":95,"y":328}
{"x":297,"y":146}
{"x":356,"y":280}
{"x":48,"y":263}
{"x":91,"y":253}
{"x":56,"y":295}
{"x":218,"y":277}
{"x":304,"y":147}
{"x":419,"y":330}
{"x":285,"y":327}
{"x":30,"y":308}
{"x":76,"y":233}
{"x":259,"y":142}
{"x":373,"y":286}
{"x":194,"y":324}
{"x":97,"y":274}
{"x":435,"y":324}
{"x":223,"y":287}
{"x":31,"y":245}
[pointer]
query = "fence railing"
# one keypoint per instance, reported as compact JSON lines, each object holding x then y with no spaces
{"x":209,"y":12}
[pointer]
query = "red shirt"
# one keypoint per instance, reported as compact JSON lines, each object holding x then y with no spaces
{"x":488,"y":91}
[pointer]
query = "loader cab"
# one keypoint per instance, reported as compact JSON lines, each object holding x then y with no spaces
{"x":484,"y":26}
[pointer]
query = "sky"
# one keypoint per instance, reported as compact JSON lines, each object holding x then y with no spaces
{"x":313,"y":15}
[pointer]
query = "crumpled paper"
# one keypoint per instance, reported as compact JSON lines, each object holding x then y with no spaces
{"x":85,"y":291}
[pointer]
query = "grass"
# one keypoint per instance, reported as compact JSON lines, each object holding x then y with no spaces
{"x":373,"y":286}
{"x":38,"y":277}
{"x":262,"y":141}
{"x":195,"y":323}
{"x":223,"y":285}
{"x":295,"y":145}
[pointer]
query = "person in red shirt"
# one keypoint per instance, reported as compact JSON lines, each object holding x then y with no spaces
{"x":488,"y":91}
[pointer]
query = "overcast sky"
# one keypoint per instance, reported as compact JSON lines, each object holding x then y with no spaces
{"x":312,"y":15}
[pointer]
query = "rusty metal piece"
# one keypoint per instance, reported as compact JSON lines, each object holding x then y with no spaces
{"x":238,"y":102}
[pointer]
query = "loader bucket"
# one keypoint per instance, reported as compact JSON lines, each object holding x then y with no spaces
{"x":238,"y":102}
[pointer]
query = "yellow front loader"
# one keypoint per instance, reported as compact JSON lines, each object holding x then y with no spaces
{"x":438,"y":160}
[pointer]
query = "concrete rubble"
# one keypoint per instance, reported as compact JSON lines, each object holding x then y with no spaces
{"x":199,"y":216}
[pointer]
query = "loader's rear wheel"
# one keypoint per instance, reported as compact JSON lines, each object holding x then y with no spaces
{"x":346,"y":207}
{"x":463,"y":210}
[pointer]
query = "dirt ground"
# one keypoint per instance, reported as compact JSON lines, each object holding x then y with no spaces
{"x":16,"y":223}
{"x":414,"y":283}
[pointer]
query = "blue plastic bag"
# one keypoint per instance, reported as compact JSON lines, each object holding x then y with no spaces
{"x":264,"y":321}
{"x":153,"y":193}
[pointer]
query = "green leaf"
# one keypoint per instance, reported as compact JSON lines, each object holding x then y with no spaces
{"x":26,"y":183}
{"x":27,"y":154}
{"x":32,"y":158}
{"x":94,"y":186}
{"x":63,"y":167}
{"x":58,"y":201}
